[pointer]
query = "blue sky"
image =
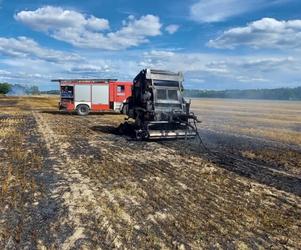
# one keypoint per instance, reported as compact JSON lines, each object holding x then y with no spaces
{"x":218,"y":44}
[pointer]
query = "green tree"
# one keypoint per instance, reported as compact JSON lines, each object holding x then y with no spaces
{"x":5,"y":88}
{"x":267,"y":94}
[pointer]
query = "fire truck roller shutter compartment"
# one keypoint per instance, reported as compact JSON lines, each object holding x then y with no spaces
{"x":100,"y":94}
{"x":83,"y":93}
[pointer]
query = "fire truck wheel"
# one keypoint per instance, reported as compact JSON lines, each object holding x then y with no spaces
{"x":83,"y":109}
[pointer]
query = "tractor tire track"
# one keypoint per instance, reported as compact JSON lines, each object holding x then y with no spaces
{"x":177,"y":199}
{"x":77,"y":193}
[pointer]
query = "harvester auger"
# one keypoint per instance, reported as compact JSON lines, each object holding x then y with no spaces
{"x":158,"y":107}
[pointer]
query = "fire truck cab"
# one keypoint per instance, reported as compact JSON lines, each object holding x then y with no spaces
{"x":92,"y":95}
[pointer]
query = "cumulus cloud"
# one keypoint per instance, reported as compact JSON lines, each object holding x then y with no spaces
{"x":25,"y":71}
{"x":202,"y":70}
{"x":173,"y":28}
{"x":207,"y":11}
{"x":89,"y":31}
{"x":89,"y":69}
{"x":158,"y":54}
{"x":220,"y":71}
{"x":187,"y":62}
{"x":50,"y":18}
{"x":264,"y":33}
{"x":26,"y":47}
{"x":268,"y":64}
{"x":4,"y":74}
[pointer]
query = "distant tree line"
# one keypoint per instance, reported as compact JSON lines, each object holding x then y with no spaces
{"x":18,"y":89}
{"x":5,"y":88}
{"x":266,"y":94}
{"x":51,"y":92}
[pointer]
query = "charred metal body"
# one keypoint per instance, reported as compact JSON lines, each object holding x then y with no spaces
{"x":158,"y":107}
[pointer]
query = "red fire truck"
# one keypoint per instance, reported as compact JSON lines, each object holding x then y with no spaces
{"x":92,"y":95}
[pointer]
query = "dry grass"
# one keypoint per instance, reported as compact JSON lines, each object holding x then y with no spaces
{"x":28,"y":103}
{"x":275,"y":120}
{"x":103,"y":191}
{"x":17,"y":183}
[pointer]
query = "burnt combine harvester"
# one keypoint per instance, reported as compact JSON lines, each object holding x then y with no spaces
{"x":158,"y":107}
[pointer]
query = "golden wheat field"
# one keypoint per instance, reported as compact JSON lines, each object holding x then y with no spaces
{"x":69,"y":182}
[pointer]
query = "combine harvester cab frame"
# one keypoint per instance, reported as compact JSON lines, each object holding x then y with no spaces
{"x":92,"y":95}
{"x":159,"y":108}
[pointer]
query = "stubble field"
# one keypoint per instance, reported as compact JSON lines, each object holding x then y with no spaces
{"x":70,"y":182}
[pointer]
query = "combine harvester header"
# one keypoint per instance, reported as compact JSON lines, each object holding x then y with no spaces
{"x":86,"y":95}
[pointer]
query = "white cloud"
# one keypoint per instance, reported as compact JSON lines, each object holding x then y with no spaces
{"x":217,"y":10}
{"x":207,"y":11}
{"x":187,"y":62}
{"x":158,"y":54}
{"x":4,"y":74}
{"x":244,"y":79}
{"x":264,"y":33}
{"x":26,"y":47}
{"x":268,"y":63}
{"x":201,"y":70}
{"x":89,"y":69}
{"x":90,"y":32}
{"x":173,"y":28}
{"x":224,"y":71}
{"x":50,"y":18}
{"x":28,"y":71}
